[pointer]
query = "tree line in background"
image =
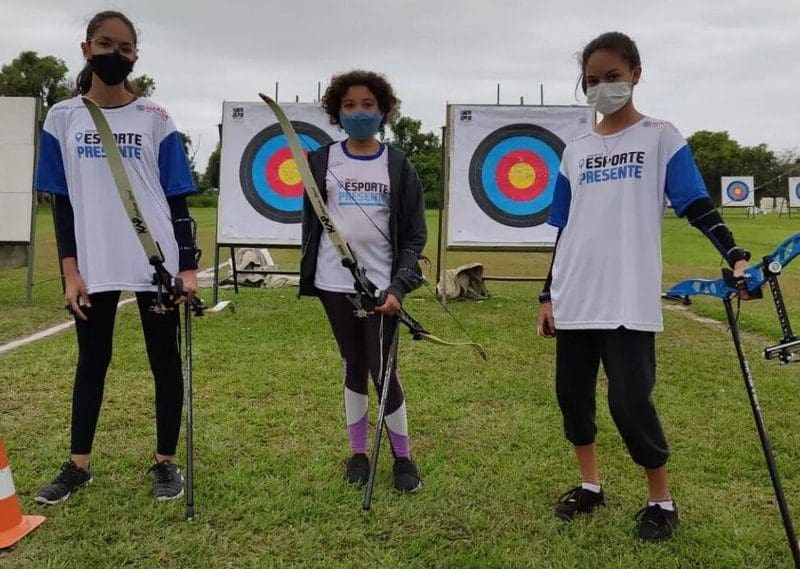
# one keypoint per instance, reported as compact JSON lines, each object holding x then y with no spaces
{"x":716,"y":153}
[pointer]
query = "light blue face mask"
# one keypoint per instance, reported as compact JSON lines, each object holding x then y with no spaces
{"x":361,"y":124}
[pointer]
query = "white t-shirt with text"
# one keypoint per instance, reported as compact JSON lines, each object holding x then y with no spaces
{"x":357,"y":187}
{"x":609,"y":200}
{"x":72,"y":163}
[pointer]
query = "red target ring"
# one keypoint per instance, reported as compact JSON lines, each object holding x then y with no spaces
{"x":282,"y":174}
{"x":522,"y":175}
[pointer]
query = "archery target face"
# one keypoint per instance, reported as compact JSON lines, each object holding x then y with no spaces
{"x":503,"y":163}
{"x":737,"y":191}
{"x":513,"y":172}
{"x":269,"y":176}
{"x":794,"y":192}
{"x":260,"y":193}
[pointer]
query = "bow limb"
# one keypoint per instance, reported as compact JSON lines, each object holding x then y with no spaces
{"x":755,"y":275}
{"x":691,"y":287}
{"x":310,"y":184}
{"x":436,"y":340}
{"x":787,"y":250}
{"x":418,"y":332}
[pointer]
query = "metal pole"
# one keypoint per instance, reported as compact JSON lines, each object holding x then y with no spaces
{"x":215,"y":295}
{"x":276,"y":90}
{"x":541,"y":94}
{"x":187,"y":318}
{"x":762,"y":434}
{"x":522,"y":101}
{"x":498,"y":93}
{"x":235,"y":274}
{"x":441,"y":207}
{"x":37,"y":124}
{"x":31,"y":252}
{"x":297,"y":98}
{"x":319,"y":91}
{"x":215,"y":286}
{"x":387,"y":375}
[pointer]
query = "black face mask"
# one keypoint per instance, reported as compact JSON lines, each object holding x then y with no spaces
{"x":111,"y":68}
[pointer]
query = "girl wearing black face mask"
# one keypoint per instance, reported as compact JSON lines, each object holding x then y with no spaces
{"x":375,"y":198}
{"x":99,"y":250}
{"x":110,"y":59}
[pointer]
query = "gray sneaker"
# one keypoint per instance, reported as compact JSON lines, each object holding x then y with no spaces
{"x":70,"y":479}
{"x":167,"y":481}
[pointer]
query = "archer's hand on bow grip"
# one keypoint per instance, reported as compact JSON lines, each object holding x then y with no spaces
{"x":741,"y":282}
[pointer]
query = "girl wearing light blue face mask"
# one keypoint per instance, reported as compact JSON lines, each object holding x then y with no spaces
{"x":375,"y":199}
{"x":602,"y":298}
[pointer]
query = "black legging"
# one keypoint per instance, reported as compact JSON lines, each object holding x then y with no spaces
{"x":95,"y":335}
{"x":359,"y":347}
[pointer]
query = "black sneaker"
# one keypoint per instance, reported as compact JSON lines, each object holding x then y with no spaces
{"x":167,"y":481}
{"x":406,"y":475}
{"x":578,"y":500}
{"x":71,"y":478}
{"x":656,"y":523}
{"x":357,"y":469}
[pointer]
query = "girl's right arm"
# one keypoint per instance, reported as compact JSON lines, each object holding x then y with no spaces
{"x":75,"y":291}
{"x":546,"y":324}
{"x":559,"y":214}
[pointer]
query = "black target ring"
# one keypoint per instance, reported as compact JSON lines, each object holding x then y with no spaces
{"x":267,"y":173}
{"x":512,"y":174}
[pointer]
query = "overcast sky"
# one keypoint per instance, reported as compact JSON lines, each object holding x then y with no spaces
{"x":708,"y":64}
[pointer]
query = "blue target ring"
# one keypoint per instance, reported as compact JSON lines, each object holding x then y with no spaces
{"x":797,"y":190}
{"x":738,"y":191}
{"x":503,"y":194}
{"x":259,"y":176}
{"x":516,"y":207}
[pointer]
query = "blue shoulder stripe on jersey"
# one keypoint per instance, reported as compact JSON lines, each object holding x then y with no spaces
{"x":50,"y":175}
{"x":562,"y":196}
{"x":173,"y":166}
{"x":684,"y":182}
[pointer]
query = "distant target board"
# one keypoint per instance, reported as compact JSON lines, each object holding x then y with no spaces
{"x":737,"y":191}
{"x":794,"y":192}
{"x":261,"y":194}
{"x":503,"y":163}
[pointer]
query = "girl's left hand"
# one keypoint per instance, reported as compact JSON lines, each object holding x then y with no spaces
{"x":390,"y":307}
{"x":738,"y":272}
{"x":189,"y":279}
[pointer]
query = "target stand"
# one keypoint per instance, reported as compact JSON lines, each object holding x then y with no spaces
{"x":500,"y":164}
{"x":261,"y":192}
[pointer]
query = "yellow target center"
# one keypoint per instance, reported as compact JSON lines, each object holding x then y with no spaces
{"x":522,"y":175}
{"x":288,"y":172}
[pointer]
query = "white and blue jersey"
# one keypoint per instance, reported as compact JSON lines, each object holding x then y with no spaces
{"x":72,"y":163}
{"x":609,"y":200}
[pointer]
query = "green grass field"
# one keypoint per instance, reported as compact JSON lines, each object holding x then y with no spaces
{"x":271,"y":441}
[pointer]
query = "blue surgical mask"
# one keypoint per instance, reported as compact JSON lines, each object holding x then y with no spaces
{"x":361,"y":124}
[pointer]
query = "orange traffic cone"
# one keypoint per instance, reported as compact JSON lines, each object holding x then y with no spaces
{"x":13,"y":525}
